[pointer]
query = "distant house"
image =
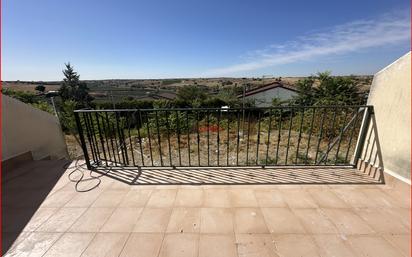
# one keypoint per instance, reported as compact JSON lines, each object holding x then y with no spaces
{"x":263,"y":96}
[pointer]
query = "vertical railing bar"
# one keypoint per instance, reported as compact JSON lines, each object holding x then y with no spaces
{"x":109,"y":128}
{"x":198,"y":138}
{"x":320,"y":134}
{"x":117,"y":143}
{"x":279,"y":135}
{"x":178,"y":136}
{"x":332,"y":129}
{"x":258,"y":139}
{"x":140,"y":137}
{"x":101,"y":138}
{"x":300,"y":134}
{"x":362,"y":134}
{"x":290,"y":128}
{"x":149,"y":137}
{"x":94,"y":139}
{"x":168,"y":138}
{"x":106,"y":137}
{"x":96,"y":157}
{"x":130,"y":137}
{"x":248,"y":134}
{"x":310,"y":135}
{"x":238,"y":138}
{"x":340,"y":136}
{"x":125,"y":144}
{"x":188,"y":136}
{"x":369,"y":130}
{"x":268,"y":141}
{"x":228,"y":135}
{"x":82,"y":140}
{"x":159,"y":142}
{"x":351,"y":135}
{"x":208,"y":143}
{"x":121,"y":141}
{"x":88,"y":136}
{"x":218,"y":136}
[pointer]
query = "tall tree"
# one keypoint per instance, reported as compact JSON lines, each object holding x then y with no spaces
{"x":72,"y":89}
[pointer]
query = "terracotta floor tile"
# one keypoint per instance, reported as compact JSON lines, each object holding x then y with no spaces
{"x":400,"y":242}
{"x":85,"y":199}
{"x":40,"y":216}
{"x":61,"y":220}
{"x":297,"y":198}
{"x":184,"y":220}
{"x":217,"y":246}
{"x":374,"y":246}
{"x":255,"y":245}
{"x":122,"y":220}
{"x":242,"y":198}
{"x":249,"y":220}
{"x":270,"y":198}
{"x":109,"y":198}
{"x":382,"y":222}
{"x":162,"y":198}
{"x":136,"y":198}
{"x":10,"y":240}
{"x":216,"y":198}
{"x":189,"y":198}
{"x":180,"y":245}
{"x":216,"y":220}
{"x":315,"y":221}
{"x":153,"y":220}
{"x":401,"y":214}
{"x":106,"y":244}
{"x":325,"y":198}
{"x":59,"y":198}
{"x":35,"y":244}
{"x":379,"y":197}
{"x":355,"y":197}
{"x":282,"y":220}
{"x":334,"y":245}
{"x":91,"y":220}
{"x":296,"y":246}
{"x":70,"y":244}
{"x":142,"y":245}
{"x":348,"y":222}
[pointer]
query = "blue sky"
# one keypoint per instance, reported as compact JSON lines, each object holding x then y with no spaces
{"x":165,"y":39}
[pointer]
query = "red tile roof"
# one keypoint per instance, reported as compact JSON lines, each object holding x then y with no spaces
{"x":268,"y":87}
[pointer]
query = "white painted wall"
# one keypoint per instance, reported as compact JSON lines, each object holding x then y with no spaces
{"x":26,"y":128}
{"x":264,"y":99}
{"x":390,"y":95}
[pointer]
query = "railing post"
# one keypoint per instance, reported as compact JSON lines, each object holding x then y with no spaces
{"x":362,"y":134}
{"x":82,"y":141}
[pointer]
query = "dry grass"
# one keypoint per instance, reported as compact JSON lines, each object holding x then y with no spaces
{"x":227,"y":153}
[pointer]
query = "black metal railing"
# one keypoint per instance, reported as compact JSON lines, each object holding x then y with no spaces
{"x":218,"y":137}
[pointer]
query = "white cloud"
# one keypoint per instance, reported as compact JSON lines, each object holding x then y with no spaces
{"x":354,"y":36}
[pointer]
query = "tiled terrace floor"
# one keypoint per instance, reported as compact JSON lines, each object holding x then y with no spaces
{"x":47,"y":217}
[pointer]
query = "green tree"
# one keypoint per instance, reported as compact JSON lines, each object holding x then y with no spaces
{"x":72,"y":89}
{"x":325,"y":89}
{"x":192,"y":95}
{"x":40,"y":88}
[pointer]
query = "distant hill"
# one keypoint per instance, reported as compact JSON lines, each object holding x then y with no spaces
{"x":119,"y":89}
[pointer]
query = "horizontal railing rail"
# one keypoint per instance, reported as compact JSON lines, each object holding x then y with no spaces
{"x":220,"y":137}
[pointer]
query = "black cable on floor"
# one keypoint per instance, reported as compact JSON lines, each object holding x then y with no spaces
{"x":81,"y":169}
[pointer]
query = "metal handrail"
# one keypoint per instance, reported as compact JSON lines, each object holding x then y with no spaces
{"x":187,"y":137}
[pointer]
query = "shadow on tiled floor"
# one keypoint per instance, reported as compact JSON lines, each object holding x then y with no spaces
{"x":24,"y":189}
{"x":239,"y":176}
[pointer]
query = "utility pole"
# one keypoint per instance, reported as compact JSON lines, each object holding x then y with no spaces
{"x":243,"y":110}
{"x":54,"y":106}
